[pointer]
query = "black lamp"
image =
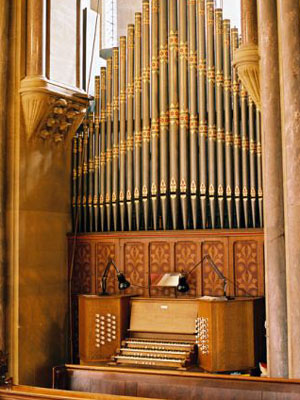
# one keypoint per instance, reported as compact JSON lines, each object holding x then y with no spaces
{"x":183,"y":285}
{"x":123,"y":283}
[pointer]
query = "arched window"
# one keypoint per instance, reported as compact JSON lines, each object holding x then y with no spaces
{"x":109,"y":24}
{"x":232,"y":11}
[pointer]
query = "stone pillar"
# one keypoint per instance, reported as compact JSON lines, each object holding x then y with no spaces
{"x":289,"y":54}
{"x":273,"y":191}
{"x":4,"y":20}
{"x":249,"y":22}
{"x":36,"y":38}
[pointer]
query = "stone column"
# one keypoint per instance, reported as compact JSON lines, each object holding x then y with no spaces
{"x":273,"y":191}
{"x":289,"y":54}
{"x":36,"y":38}
{"x":249,"y":22}
{"x":4,"y":20}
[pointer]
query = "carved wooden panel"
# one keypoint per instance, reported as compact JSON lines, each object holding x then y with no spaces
{"x":238,"y":254}
{"x":160,"y":262}
{"x":246,"y":268}
{"x":185,"y":258}
{"x":104,"y":252}
{"x":135,"y":267}
{"x":211,"y":283}
{"x":82,"y":274}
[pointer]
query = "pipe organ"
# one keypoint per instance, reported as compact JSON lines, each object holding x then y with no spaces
{"x":174,"y":141}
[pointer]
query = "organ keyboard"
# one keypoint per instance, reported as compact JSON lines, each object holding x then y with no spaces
{"x":162,"y":334}
{"x":215,"y":334}
{"x":156,"y":353}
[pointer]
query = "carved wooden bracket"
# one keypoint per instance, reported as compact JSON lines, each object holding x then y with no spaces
{"x":246,"y":59}
{"x":51,"y":110}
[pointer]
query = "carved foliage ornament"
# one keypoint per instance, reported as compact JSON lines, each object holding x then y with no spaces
{"x":64,"y":116}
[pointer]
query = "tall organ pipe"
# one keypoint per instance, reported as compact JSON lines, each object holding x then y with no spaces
{"x":211,"y":111}
{"x":85,"y":175}
{"x":183,"y":111}
{"x":173,"y":110}
{"x":155,"y":111}
{"x":245,"y":154}
{"x":193,"y":132}
{"x":146,"y":109}
{"x":90,"y":187}
{"x":236,"y":133}
{"x":228,"y":123}
{"x":129,"y":137}
{"x":96,"y":154}
{"x":102,"y":146}
{"x":115,"y":151}
{"x":220,"y":112}
{"x":108,"y":152}
{"x":163,"y":109}
{"x":202,"y":93}
{"x":122,"y":168}
{"x":137,"y":118}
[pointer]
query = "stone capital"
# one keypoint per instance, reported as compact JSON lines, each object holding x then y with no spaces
{"x":246,"y":60}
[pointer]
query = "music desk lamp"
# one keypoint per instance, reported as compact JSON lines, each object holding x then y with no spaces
{"x":183,"y":285}
{"x":123,"y":282}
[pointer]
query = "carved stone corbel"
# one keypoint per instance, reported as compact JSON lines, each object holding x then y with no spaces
{"x":50,"y":110}
{"x":246,"y":57}
{"x":246,"y":60}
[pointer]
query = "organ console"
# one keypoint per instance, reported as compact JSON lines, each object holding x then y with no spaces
{"x":174,"y":141}
{"x":212,"y":333}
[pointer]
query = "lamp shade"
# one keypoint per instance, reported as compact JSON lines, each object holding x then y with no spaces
{"x":123,"y":283}
{"x":182,"y":286}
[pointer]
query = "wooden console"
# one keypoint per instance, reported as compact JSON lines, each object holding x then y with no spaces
{"x":146,"y":331}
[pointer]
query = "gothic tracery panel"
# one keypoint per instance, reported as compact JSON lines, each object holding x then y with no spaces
{"x":212,"y":285}
{"x":104,"y":252}
{"x":135,"y":267}
{"x":185,"y":258}
{"x":160,"y":262}
{"x":82,"y":276}
{"x":246,"y":266}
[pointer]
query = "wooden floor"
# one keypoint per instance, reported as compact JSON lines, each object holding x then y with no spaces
{"x":172,"y":385}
